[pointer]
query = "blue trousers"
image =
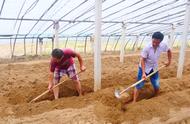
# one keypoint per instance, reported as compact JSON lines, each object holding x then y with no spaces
{"x":154,"y":79}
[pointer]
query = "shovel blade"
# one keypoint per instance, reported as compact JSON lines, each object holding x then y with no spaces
{"x":117,"y":93}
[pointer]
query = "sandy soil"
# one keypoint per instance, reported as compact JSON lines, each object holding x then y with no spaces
{"x":20,"y":82}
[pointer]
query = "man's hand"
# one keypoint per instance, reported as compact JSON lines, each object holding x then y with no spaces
{"x":144,"y":76}
{"x":50,"y":86}
{"x":82,"y":68}
{"x":166,"y":63}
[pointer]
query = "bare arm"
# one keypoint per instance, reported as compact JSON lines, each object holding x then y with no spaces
{"x":51,"y":74}
{"x":51,"y":77}
{"x":143,"y":67}
{"x":50,"y":86}
{"x":143,"y":64}
{"x":82,"y":67}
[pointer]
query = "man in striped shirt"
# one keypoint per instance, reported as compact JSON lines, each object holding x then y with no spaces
{"x":62,"y":63}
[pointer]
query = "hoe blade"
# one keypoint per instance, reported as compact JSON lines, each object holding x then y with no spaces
{"x":117,"y":93}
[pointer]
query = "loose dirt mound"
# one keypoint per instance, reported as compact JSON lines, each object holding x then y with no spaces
{"x":21,"y":82}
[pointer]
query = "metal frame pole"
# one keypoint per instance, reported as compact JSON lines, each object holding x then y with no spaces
{"x":107,"y":44}
{"x":184,"y":41}
{"x":97,"y":45}
{"x":56,"y":38}
{"x":122,"y":47}
{"x":116,"y":43}
{"x":24,"y":46}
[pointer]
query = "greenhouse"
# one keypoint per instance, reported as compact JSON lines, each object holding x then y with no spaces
{"x":89,"y":61}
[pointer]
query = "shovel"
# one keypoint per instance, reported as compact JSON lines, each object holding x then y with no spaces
{"x":118,"y":93}
{"x":47,"y":91}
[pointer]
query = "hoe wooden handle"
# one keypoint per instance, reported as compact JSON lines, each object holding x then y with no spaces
{"x":47,"y":91}
{"x":133,"y":85}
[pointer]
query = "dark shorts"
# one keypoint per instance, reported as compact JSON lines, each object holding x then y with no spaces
{"x":70,"y":72}
{"x":154,"y":79}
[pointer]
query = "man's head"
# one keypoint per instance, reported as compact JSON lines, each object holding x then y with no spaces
{"x":57,"y":54}
{"x":157,"y":38}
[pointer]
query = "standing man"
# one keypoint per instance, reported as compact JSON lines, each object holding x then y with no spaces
{"x":62,"y":63}
{"x":149,"y":63}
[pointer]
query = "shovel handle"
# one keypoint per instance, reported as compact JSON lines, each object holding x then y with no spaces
{"x":47,"y":91}
{"x":138,"y":82}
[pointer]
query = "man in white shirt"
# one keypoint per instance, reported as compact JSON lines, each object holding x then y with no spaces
{"x":149,"y":62}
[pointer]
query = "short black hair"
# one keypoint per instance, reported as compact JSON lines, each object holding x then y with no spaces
{"x":158,"y":35}
{"x":57,"y":53}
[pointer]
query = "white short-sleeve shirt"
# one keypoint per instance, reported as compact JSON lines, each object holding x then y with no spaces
{"x":152,"y":56}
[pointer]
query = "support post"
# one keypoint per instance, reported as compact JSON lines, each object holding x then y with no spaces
{"x":40,"y":44}
{"x":97,"y":45}
{"x":37,"y":45}
{"x":56,"y":37}
{"x":32,"y":45}
{"x":184,"y":41}
{"x":11,"y":47}
{"x":25,"y":46}
{"x":122,"y":46}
